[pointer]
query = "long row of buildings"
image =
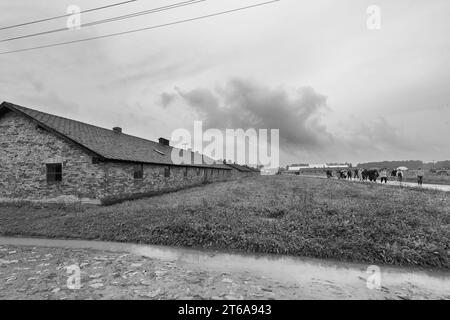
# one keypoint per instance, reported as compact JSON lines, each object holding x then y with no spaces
{"x":297,"y":169}
{"x":48,"y":158}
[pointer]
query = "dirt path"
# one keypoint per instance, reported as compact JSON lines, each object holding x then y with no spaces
{"x":128,"y":272}
{"x":440,"y":187}
{"x":41,"y":273}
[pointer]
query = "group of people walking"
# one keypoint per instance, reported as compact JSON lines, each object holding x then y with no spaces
{"x":373,"y":174}
{"x":396,"y":174}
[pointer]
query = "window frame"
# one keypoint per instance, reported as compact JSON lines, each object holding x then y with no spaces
{"x":95,"y":160}
{"x":167,"y":172}
{"x":54,"y":173}
{"x":138,"y":171}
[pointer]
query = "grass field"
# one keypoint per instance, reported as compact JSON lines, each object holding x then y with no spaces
{"x":278,"y":214}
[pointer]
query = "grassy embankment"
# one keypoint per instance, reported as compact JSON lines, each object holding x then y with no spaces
{"x":287,"y":215}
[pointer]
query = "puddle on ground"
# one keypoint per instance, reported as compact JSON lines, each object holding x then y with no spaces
{"x":295,"y":270}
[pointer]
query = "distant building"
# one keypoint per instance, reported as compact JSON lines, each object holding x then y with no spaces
{"x":296,"y":168}
{"x":305,"y":168}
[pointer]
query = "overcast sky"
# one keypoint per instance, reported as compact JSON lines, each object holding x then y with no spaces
{"x":336,"y":90}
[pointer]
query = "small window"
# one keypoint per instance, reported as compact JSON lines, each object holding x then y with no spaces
{"x":198,"y":171}
{"x":95,"y":160}
{"x":54,"y":172}
{"x":167,"y":172}
{"x":138,"y":171}
{"x":186,"y":171}
{"x":160,"y":152}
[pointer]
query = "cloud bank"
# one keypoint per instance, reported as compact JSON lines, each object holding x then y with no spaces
{"x":248,"y":104}
{"x":300,"y":114}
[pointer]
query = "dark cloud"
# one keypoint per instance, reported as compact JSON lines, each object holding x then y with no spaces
{"x":298,"y":114}
{"x":167,"y":98}
{"x":378,"y":135}
{"x":247,"y":104}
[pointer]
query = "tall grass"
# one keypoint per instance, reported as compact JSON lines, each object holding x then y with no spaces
{"x":290,"y":215}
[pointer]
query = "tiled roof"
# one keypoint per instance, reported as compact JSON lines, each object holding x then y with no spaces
{"x":253,"y":169}
{"x":106,"y":143}
{"x":239,"y":167}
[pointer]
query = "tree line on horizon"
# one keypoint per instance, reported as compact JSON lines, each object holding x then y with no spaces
{"x":410,"y":164}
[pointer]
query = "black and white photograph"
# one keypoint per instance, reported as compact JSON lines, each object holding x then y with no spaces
{"x":224,"y":155}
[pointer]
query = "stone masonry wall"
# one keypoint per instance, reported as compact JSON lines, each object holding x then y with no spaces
{"x":24,"y":152}
{"x":121,"y":182}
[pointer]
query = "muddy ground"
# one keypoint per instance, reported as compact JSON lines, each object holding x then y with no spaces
{"x":42,"y":273}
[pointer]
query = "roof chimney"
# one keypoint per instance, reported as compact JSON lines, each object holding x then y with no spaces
{"x":117,"y":130}
{"x":164,"y":142}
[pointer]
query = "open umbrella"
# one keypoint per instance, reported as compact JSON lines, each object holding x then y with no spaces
{"x":402,"y":168}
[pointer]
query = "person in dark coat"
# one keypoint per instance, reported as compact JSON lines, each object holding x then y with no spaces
{"x":400,"y":176}
{"x":329,"y":174}
{"x":420,"y":174}
{"x":357,"y":175}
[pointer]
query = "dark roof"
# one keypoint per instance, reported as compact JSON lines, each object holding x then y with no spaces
{"x":239,"y":167}
{"x":253,"y":169}
{"x":105,"y":143}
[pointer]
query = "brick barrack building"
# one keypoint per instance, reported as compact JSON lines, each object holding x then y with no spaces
{"x":47,"y":158}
